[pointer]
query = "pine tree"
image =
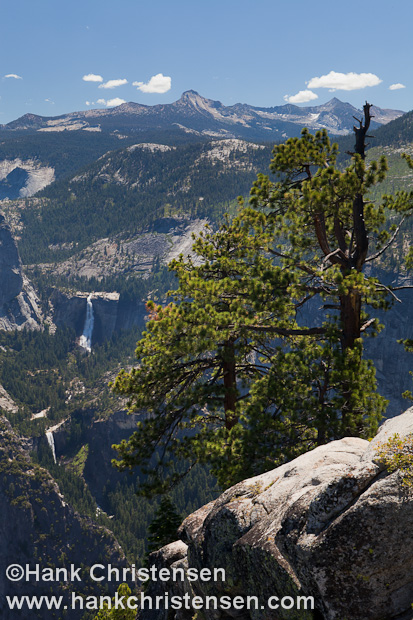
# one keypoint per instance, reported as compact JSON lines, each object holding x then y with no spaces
{"x":326,"y":229}
{"x":164,"y":527}
{"x":201,"y":354}
{"x":227,"y":373}
{"x":111,"y":612}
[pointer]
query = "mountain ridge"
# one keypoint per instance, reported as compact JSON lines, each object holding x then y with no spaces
{"x":193,"y":112}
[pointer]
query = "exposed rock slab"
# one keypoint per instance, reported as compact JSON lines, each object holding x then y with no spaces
{"x":332,"y":524}
{"x":168,"y":238}
{"x":401,"y":425}
{"x":21,"y":179}
{"x":23,"y":311}
{"x":6,"y":401}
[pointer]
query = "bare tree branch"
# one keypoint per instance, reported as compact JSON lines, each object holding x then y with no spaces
{"x":367,"y":324}
{"x":282,"y":331}
{"x":380,"y":252}
{"x":389,"y":290}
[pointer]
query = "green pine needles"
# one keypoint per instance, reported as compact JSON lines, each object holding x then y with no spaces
{"x":164,"y":528}
{"x":232,"y":373}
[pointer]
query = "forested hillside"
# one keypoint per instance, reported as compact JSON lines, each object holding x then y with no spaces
{"x":127,"y":190}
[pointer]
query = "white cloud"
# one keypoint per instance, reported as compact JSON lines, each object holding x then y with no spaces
{"x":110,"y":103}
{"x":113,"y":83}
{"x":158,"y":83}
{"x":301,"y":97}
{"x":397,"y":86}
{"x":92,"y":77}
{"x":14,"y":76}
{"x":49,"y":101}
{"x":344,"y":81}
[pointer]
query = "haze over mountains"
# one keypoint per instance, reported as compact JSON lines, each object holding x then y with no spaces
{"x":194,"y":114}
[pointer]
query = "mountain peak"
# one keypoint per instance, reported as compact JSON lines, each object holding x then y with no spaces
{"x":334,"y":102}
{"x":193,"y":101}
{"x":189,"y":93}
{"x":191,"y":96}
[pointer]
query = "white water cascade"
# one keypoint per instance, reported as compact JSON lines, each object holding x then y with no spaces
{"x":50,"y":441}
{"x":86,"y":338}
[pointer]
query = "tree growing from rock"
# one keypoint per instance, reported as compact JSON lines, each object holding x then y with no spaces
{"x":230,"y":373}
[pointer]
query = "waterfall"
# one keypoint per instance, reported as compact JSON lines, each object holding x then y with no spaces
{"x":50,"y":441}
{"x":86,"y":338}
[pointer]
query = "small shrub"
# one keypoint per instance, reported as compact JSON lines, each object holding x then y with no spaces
{"x":397,"y":455}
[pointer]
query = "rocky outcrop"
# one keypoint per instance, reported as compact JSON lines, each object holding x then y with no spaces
{"x":332,"y":524}
{"x":167,"y":238}
{"x":22,"y":312}
{"x":37,"y":527}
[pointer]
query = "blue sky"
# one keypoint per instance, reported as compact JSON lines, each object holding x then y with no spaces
{"x":263,"y":53}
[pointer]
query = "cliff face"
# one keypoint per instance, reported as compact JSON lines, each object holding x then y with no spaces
{"x":11,"y":279}
{"x":18,"y":301}
{"x":38,"y":527}
{"x":110,"y":313}
{"x":69,"y":310}
{"x":332,"y":524}
{"x":100,"y":437}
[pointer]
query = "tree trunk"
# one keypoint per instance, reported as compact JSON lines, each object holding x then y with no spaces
{"x":359,"y":226}
{"x":350,"y":317}
{"x":230,"y":384}
{"x":350,"y":304}
{"x":351,"y":331}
